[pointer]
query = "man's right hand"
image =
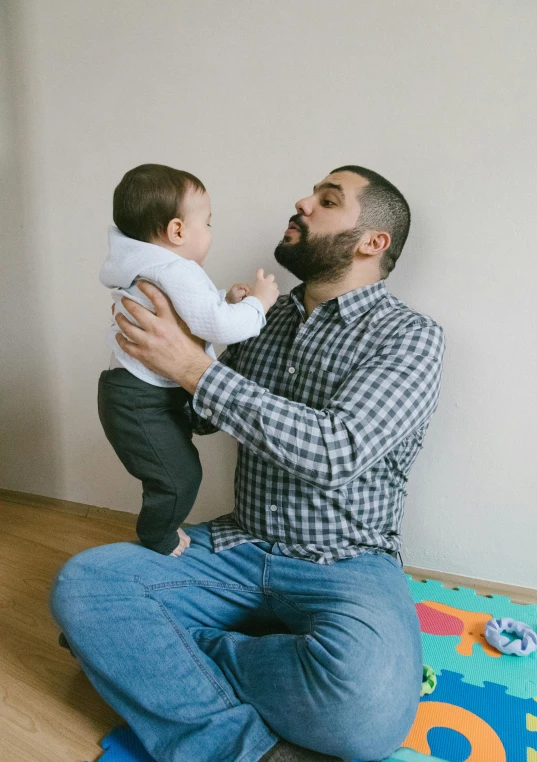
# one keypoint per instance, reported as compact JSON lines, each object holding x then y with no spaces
{"x":265,"y":289}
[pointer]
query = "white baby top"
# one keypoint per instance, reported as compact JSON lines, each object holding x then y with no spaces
{"x":193,"y":294}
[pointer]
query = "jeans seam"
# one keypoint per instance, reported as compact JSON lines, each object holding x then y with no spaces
{"x":272,"y":594}
{"x":267,"y":592}
{"x":202,"y":583}
{"x":219,"y":689}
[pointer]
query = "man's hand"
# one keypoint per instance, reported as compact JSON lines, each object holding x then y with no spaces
{"x":237,"y":293}
{"x":162,"y":342}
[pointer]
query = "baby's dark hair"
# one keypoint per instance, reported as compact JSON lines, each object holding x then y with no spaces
{"x":148,"y":197}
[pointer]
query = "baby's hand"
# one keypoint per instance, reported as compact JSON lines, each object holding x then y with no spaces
{"x":237,"y":293}
{"x":184,"y":542}
{"x":265,"y":289}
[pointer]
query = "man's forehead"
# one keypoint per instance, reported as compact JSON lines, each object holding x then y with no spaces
{"x":349,"y":182}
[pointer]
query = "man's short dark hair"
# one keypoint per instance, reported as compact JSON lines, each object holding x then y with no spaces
{"x":384,"y":208}
{"x":148,"y":197}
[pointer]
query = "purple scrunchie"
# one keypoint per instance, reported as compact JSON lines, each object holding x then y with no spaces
{"x":519,"y":647}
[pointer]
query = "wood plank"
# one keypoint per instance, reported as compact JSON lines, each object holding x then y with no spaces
{"x":67,"y":506}
{"x":49,"y":711}
{"x":60,"y":531}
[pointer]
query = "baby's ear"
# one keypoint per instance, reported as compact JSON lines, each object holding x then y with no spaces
{"x":175,"y":232}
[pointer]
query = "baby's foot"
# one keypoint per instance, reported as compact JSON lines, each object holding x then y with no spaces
{"x":184,"y":542}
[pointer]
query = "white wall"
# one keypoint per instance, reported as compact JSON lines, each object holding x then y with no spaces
{"x":261,"y":100}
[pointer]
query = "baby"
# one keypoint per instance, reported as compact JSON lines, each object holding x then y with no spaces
{"x":162,"y":235}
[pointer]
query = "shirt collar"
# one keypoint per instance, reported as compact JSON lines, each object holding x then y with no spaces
{"x":351,"y":305}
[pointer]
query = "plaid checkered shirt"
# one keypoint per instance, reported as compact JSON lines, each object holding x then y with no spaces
{"x":330,"y":413}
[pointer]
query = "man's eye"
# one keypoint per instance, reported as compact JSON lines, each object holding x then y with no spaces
{"x":326,"y":202}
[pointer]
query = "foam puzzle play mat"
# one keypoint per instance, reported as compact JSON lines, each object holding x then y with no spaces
{"x":478,"y":704}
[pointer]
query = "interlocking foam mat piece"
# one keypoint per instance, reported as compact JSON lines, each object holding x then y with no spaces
{"x":484,"y":707}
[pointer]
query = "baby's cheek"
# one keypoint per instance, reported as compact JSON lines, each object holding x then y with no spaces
{"x":205,"y":242}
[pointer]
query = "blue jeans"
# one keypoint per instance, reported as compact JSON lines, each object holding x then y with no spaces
{"x":211,"y":657}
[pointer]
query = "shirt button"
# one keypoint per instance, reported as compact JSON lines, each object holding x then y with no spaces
{"x":292,"y":370}
{"x":208,"y":412}
{"x":273,"y":507}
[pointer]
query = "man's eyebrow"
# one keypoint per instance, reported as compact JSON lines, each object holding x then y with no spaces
{"x":329,"y":186}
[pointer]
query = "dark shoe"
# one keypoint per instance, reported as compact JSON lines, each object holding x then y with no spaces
{"x":64,"y":643}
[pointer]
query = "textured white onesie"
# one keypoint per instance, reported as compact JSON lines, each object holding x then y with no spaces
{"x":193,"y":294}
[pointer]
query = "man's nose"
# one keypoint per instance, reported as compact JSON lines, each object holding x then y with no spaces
{"x":304,"y":206}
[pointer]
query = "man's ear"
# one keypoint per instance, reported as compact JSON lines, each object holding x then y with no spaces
{"x":374,"y":242}
{"x":175,"y":232}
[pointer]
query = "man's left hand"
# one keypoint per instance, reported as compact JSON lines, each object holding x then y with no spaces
{"x":162,"y":341}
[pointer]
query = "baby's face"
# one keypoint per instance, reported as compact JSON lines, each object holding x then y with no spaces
{"x":197,"y":230}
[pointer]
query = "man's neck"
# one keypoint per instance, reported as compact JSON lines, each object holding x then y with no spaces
{"x":316,"y":293}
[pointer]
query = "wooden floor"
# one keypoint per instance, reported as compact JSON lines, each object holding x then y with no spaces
{"x":49,"y":712}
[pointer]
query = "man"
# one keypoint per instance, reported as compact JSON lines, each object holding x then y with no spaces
{"x":290,"y":618}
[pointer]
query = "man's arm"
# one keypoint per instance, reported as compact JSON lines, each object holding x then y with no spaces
{"x":376,"y":407}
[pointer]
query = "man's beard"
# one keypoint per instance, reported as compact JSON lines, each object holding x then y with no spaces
{"x":320,"y":258}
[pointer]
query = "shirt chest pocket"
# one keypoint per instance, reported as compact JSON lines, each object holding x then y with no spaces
{"x":316,"y":384}
{"x":333,"y":369}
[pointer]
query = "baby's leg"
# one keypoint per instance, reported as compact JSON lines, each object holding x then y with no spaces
{"x":148,"y":428}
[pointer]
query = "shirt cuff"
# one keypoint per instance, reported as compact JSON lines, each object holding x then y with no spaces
{"x":217,"y":393}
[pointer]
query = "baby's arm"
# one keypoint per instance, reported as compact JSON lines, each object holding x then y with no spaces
{"x":207,"y":314}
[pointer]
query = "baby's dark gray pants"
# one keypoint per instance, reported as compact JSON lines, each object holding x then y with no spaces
{"x":149,"y":428}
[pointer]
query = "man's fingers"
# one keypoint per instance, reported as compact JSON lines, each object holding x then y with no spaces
{"x":270,"y":278}
{"x":160,"y":301}
{"x":143,"y":316}
{"x":127,"y":346}
{"x":260,"y":273}
{"x":128,"y":329}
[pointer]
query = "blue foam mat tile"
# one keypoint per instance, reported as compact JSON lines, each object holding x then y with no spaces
{"x":506,"y":715}
{"x":121,"y":745}
{"x":517,"y":674}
